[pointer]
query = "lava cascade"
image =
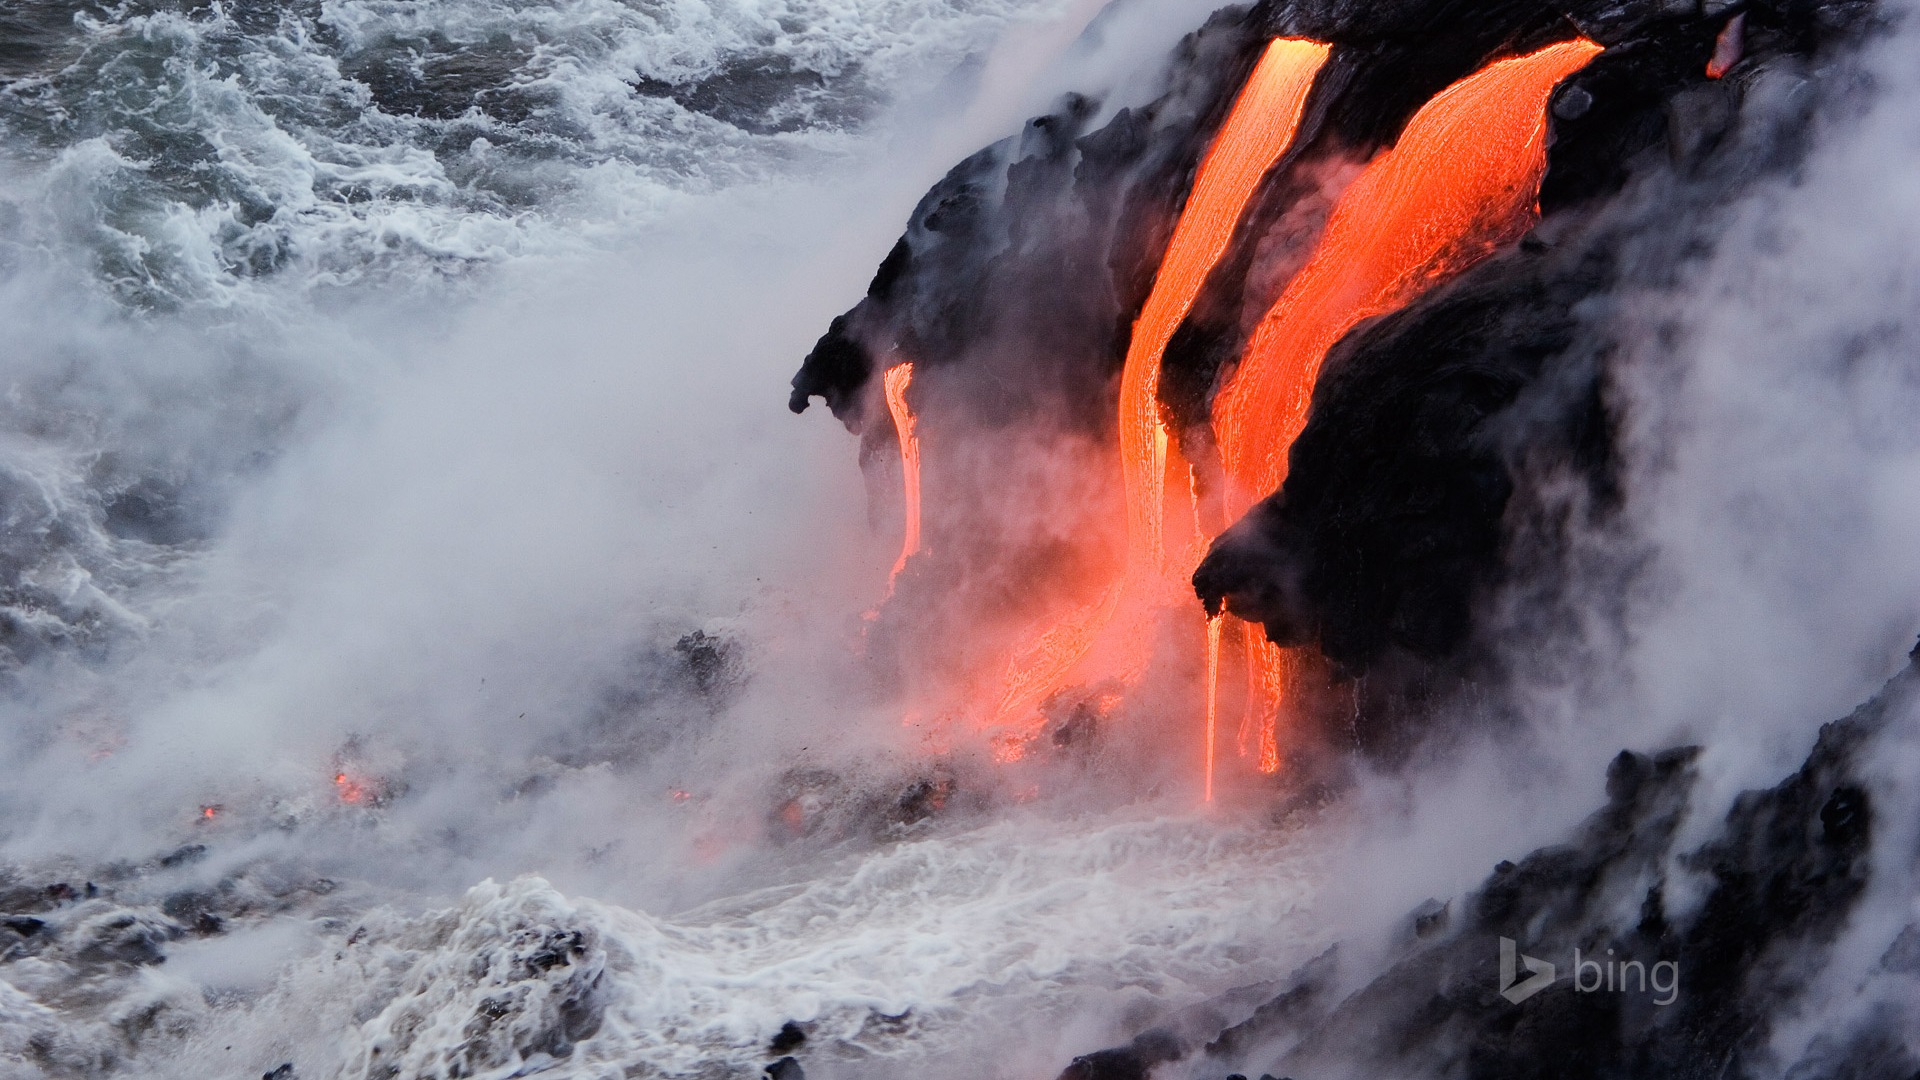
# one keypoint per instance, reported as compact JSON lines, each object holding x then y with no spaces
{"x":894,"y":383}
{"x":1462,"y":181}
{"x":1260,"y":127}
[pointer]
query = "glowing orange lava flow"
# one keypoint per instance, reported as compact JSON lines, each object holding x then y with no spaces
{"x":1257,"y":131}
{"x":1266,"y":688}
{"x":1463,"y":180}
{"x":895,"y":382}
{"x":1261,"y":126}
{"x":1213,"y":698}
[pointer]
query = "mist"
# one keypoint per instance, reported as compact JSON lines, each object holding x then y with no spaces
{"x":454,"y":614}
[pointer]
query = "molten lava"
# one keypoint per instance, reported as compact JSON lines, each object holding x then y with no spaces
{"x":1262,"y":124}
{"x":1266,"y":689}
{"x":1041,"y":668}
{"x":1463,"y":180}
{"x":349,"y":790}
{"x":895,"y":382}
{"x":1213,"y":700}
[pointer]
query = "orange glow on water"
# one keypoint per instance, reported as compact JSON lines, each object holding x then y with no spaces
{"x":1261,"y":126}
{"x":1463,"y":180}
{"x":895,"y":382}
{"x":351,"y":791}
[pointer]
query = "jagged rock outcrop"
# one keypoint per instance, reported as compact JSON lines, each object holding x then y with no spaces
{"x":1780,"y":881}
{"x":1019,"y":275}
{"x":1397,"y":511}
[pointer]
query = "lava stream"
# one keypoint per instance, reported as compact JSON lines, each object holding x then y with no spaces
{"x":895,"y":382}
{"x":1463,"y":180}
{"x":1213,"y":699}
{"x":1262,"y":124}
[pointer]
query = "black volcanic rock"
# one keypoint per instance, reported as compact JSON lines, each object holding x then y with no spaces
{"x":1134,"y":1061}
{"x":1782,"y":878}
{"x":1399,"y":512}
{"x":1414,"y":491}
{"x":1027,"y":262}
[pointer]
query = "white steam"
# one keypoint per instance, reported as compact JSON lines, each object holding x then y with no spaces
{"x":456,"y":526}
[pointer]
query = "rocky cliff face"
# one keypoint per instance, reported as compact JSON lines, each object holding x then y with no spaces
{"x":1453,"y":450}
{"x":1451,"y":444}
{"x":1670,"y":958}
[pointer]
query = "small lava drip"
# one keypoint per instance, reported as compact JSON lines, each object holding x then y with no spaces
{"x":895,"y":383}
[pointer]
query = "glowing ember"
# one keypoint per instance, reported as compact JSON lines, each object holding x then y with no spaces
{"x":349,"y":790}
{"x":895,"y":382}
{"x":208,"y":813}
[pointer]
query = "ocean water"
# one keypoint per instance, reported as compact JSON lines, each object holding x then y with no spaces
{"x":426,"y":640}
{"x":416,"y":597}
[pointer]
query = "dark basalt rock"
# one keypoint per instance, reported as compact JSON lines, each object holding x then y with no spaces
{"x":789,"y":1036}
{"x":1414,"y":489}
{"x":1027,"y":262}
{"x":1134,"y":1061}
{"x":1782,"y":876}
{"x":133,"y":937}
{"x":1015,"y":285}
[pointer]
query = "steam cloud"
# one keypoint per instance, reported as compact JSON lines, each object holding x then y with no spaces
{"x":450,"y":546}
